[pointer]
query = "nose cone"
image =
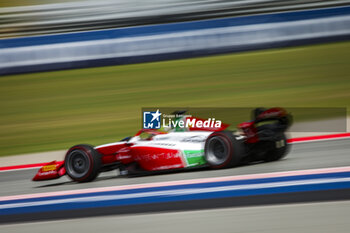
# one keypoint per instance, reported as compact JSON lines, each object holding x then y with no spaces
{"x":52,"y":170}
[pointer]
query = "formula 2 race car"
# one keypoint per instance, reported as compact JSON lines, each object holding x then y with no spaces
{"x":261,"y":139}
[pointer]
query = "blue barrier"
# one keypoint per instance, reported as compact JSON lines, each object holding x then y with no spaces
{"x":171,"y":41}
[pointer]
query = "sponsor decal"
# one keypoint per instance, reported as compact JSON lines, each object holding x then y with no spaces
{"x":195,"y":139}
{"x":157,"y":156}
{"x":194,"y":157}
{"x":162,"y":144}
{"x":47,"y":173}
{"x":120,"y":157}
{"x":47,"y":168}
{"x":169,"y":167}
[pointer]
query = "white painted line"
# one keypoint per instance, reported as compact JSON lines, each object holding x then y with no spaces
{"x":180,"y":182}
{"x":176,"y":192}
{"x":21,"y":169}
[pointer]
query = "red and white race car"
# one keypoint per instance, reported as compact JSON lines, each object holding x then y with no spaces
{"x":261,"y":139}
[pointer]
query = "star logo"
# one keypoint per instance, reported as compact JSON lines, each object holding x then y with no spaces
{"x":156,"y":115}
{"x":151,"y":120}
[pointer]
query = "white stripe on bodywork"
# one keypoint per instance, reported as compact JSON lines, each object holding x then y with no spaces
{"x":110,"y":144}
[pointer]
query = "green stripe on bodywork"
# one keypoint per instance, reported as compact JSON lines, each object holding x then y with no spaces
{"x":194,"y":157}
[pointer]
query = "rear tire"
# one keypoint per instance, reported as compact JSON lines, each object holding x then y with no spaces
{"x":279,"y":149}
{"x":82,"y":163}
{"x":222,"y":150}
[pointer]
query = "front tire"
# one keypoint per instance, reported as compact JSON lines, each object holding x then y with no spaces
{"x":82,"y":163}
{"x":222,"y":150}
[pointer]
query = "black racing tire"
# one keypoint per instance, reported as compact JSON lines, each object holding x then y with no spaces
{"x":82,"y":163}
{"x":279,"y":149}
{"x":222,"y":150}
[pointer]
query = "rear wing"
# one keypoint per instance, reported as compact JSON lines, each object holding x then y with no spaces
{"x":266,"y":124}
{"x":275,"y":117}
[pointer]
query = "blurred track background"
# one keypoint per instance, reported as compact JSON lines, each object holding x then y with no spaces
{"x":53,"y":110}
{"x":46,"y":111}
{"x":67,"y":16}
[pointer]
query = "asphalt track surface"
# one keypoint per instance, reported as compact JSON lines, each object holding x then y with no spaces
{"x":317,"y":215}
{"x":309,"y":155}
